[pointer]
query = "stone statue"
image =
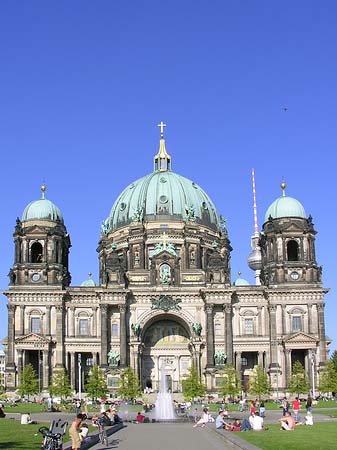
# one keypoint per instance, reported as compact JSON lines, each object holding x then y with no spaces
{"x":223,"y":223}
{"x":165,"y":274}
{"x":113,"y":358}
{"x":197,"y":328}
{"x":12,"y":276}
{"x":220,"y":358}
{"x":137,"y":331}
{"x":190,"y":213}
{"x":105,"y":227}
{"x":166,"y":303}
{"x":138,"y":215}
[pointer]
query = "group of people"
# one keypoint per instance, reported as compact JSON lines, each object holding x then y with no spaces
{"x":79,"y":429}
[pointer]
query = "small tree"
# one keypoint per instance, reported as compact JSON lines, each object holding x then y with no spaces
{"x":298,"y":383}
{"x":129,"y":386}
{"x":96,"y":385}
{"x":258,"y":383}
{"x":192,"y":386}
{"x":28,"y":382}
{"x":333,"y":359}
{"x":60,"y":386}
{"x":231,"y":385}
{"x":328,"y":378}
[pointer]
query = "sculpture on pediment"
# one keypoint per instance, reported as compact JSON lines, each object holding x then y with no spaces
{"x":164,"y":245}
{"x":220,"y":358}
{"x":166,"y":303}
{"x":138,"y":215}
{"x":197,"y":328}
{"x":165,"y":274}
{"x":105,"y":227}
{"x":223,"y":224}
{"x":189,"y":213}
{"x":136,"y":329}
{"x":113,"y":358}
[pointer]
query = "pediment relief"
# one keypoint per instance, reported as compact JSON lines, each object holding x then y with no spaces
{"x":292,"y":227}
{"x":300,"y":337}
{"x":32,"y":338}
{"x":36,"y":229}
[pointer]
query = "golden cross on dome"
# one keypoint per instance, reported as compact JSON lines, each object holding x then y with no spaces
{"x":162,"y":125}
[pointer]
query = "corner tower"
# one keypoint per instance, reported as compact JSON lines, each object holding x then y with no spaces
{"x":41,"y":246}
{"x":288,"y":244}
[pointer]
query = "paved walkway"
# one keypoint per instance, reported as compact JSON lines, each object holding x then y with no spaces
{"x":164,"y":437}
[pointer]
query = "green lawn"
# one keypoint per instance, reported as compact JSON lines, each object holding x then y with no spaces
{"x":321,"y":436}
{"x":20,"y":437}
{"x":328,"y":412}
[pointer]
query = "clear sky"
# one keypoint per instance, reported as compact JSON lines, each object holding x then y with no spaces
{"x":83,"y":85}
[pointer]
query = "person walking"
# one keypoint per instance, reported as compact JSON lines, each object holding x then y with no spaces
{"x":296,"y":408}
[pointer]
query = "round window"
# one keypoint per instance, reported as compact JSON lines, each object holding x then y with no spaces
{"x":204,"y":205}
{"x":163,"y":180}
{"x":122,"y":206}
{"x":163,"y":199}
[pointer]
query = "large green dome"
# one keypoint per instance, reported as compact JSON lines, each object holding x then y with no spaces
{"x":285,"y":206}
{"x":162,"y":196}
{"x":42,"y":209}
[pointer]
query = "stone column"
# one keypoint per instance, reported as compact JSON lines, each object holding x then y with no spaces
{"x":321,"y":334}
{"x":59,"y":336}
{"x":309,"y":319}
{"x":48,"y":332}
{"x":273,"y":336}
{"x":210,"y":335}
{"x":94,"y":358}
{"x":284,"y":322}
{"x":11,"y":337}
{"x":21,"y":331}
{"x":104,"y":335}
{"x":72,"y":371}
{"x":123,"y":343}
{"x":238,"y":362}
{"x":229,"y":333}
{"x":94,"y":321}
{"x":259,"y":318}
{"x":20,"y":361}
{"x":45,"y":369}
{"x":260,"y":358}
{"x":288,"y":363}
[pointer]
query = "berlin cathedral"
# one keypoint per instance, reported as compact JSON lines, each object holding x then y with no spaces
{"x":164,"y":298}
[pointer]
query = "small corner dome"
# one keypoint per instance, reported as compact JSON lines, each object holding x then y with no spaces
{"x":285,"y":206}
{"x":88,"y":283}
{"x":42,"y":209}
{"x":241,"y":281}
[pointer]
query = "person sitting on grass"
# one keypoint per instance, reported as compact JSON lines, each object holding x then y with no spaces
{"x":287,"y":422}
{"x":256,"y":422}
{"x":235,"y":427}
{"x":84,"y":431}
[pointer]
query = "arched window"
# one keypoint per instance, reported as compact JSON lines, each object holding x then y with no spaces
{"x":292,"y":250}
{"x":36,"y":252}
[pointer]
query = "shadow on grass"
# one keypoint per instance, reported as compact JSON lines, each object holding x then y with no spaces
{"x":14,"y":445}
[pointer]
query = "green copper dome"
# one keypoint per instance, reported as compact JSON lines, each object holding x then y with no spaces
{"x":285,"y":207}
{"x":162,"y":196}
{"x":240,"y":281}
{"x":42,"y":209}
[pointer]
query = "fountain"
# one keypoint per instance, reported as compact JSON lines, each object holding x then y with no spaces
{"x":164,"y":406}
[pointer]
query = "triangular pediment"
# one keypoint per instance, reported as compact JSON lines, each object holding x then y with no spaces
{"x":300,"y":338}
{"x":35,"y":229}
{"x":164,"y":255}
{"x":292,"y":227}
{"x":32,"y":338}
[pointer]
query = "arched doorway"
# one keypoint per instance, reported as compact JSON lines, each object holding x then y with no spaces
{"x":166,"y":344}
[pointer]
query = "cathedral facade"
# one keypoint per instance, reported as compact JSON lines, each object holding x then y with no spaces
{"x":164,"y":298}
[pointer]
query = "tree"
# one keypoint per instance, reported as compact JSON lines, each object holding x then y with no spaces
{"x":333,"y":359}
{"x":60,"y":386}
{"x":129,"y":386}
{"x":298,"y":383}
{"x":231,"y":385}
{"x":96,"y":385}
{"x":259,"y":383}
{"x":28,"y":381}
{"x":328,"y":378}
{"x":192,"y":386}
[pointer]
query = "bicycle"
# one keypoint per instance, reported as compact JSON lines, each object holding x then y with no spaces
{"x":103,"y":437}
{"x":51,"y":440}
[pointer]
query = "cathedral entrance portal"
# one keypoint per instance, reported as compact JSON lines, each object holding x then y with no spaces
{"x":166,"y":345}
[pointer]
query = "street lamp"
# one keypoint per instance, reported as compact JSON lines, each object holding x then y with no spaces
{"x":313,"y":361}
{"x":79,"y":376}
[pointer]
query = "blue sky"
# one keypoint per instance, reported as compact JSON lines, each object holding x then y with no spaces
{"x":83,"y":85}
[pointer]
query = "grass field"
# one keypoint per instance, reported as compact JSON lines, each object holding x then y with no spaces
{"x":15,"y":436}
{"x":321,"y":436}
